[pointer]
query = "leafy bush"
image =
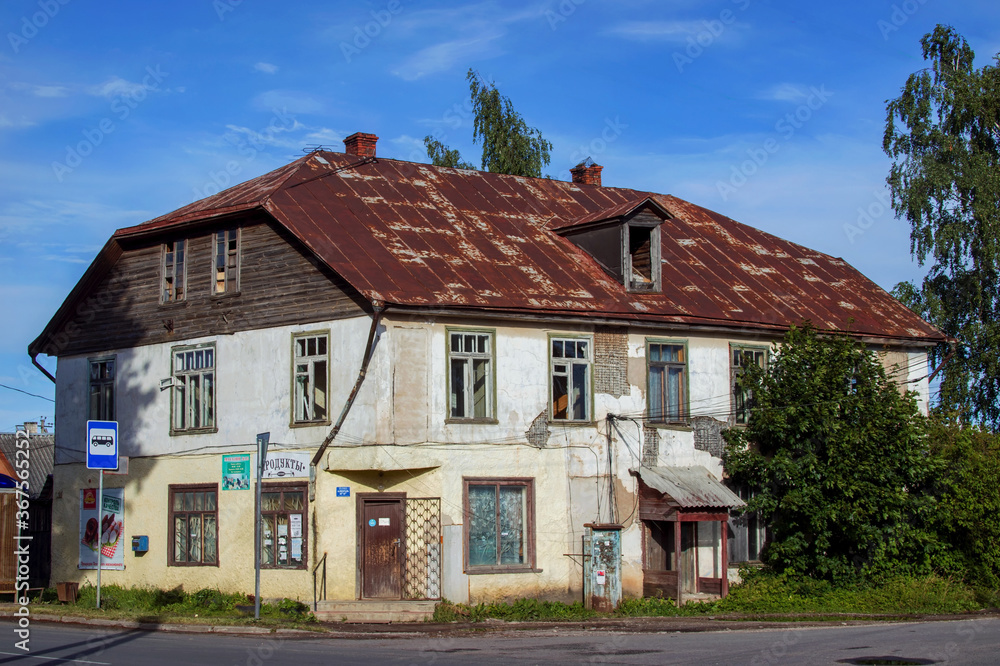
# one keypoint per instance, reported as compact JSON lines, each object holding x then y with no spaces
{"x":839,"y":461}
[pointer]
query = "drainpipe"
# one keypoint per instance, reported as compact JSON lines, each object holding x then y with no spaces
{"x":34,"y":362}
{"x":379,"y":307}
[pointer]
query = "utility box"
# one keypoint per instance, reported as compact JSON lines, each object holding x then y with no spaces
{"x":140,"y":544}
{"x":602,"y":566}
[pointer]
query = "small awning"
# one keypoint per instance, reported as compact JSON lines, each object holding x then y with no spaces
{"x":689,"y":487}
{"x":375,"y":458}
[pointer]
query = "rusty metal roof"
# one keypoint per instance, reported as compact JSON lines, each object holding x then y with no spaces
{"x":690,"y":487}
{"x":418,"y":235}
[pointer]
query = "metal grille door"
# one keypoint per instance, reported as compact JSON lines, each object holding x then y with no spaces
{"x":423,"y":548}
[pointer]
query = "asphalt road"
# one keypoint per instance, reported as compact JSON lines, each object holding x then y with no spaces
{"x":951,"y":642}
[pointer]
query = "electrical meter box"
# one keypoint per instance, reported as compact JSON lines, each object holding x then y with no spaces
{"x":602,"y":566}
{"x":140,"y":544}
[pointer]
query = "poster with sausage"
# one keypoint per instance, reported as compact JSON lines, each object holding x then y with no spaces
{"x":105,"y":532}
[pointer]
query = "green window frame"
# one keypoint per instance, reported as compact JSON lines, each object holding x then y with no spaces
{"x":471,"y":376}
{"x":571,"y":367}
{"x":667,"y":376}
{"x":101,"y":393}
{"x":311,"y":378}
{"x":193,"y":395}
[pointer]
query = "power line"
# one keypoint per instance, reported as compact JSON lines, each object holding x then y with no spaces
{"x":34,"y":395}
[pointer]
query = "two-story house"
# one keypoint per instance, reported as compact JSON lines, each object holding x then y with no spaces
{"x":481,"y":366}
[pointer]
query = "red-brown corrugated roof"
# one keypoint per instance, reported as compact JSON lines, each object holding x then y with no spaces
{"x":418,"y":235}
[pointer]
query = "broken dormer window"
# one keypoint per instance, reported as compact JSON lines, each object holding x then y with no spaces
{"x":642,"y":257}
{"x":173,"y":271}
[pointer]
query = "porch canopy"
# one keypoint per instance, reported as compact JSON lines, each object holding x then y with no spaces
{"x":683,"y":495}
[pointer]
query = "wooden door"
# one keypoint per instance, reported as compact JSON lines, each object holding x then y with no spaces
{"x":689,"y":557}
{"x":382,"y":548}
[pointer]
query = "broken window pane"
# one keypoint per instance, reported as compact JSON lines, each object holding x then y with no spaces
{"x":310,"y":378}
{"x":470,"y":380}
{"x":570,"y":381}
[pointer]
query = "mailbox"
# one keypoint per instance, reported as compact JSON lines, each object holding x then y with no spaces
{"x":140,"y":544}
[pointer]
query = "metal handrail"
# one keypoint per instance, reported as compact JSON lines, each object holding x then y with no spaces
{"x":323,"y":563}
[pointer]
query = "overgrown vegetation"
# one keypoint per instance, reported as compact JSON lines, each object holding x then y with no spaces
{"x":838,"y":459}
{"x":760,"y":594}
{"x":856,"y":486}
{"x":176,"y":603}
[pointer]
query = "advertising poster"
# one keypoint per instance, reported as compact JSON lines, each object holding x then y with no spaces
{"x":236,"y":471}
{"x":106,"y":533}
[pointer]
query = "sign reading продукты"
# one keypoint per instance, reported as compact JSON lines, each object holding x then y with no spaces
{"x":102,"y":444}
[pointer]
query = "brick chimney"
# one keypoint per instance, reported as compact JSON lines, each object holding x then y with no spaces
{"x":361,"y":144}
{"x":587,"y":172}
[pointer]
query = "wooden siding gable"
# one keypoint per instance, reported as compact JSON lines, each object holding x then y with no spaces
{"x":281,"y":283}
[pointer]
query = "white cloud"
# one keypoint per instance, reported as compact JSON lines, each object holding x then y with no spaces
{"x":265,"y":67}
{"x":443,"y":56}
{"x":785,"y":92}
{"x":115,"y":87}
{"x":7,"y":123}
{"x":325,"y":136}
{"x":675,"y":32}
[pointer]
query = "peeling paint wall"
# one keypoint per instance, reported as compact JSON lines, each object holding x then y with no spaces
{"x":396,"y":439}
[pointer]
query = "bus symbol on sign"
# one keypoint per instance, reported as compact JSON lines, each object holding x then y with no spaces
{"x":102,"y":445}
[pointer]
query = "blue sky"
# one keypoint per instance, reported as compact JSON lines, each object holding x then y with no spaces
{"x":112,"y":113}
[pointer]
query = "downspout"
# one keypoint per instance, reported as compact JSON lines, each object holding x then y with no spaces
{"x":379,"y":307}
{"x":34,"y":362}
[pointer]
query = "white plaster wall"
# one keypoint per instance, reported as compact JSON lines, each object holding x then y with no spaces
{"x":918,"y":368}
{"x":253,"y":389}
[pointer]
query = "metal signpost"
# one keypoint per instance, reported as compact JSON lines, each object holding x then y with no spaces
{"x":262,"y":441}
{"x":102,"y":454}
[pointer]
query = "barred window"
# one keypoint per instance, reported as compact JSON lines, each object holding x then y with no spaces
{"x":500,"y":524}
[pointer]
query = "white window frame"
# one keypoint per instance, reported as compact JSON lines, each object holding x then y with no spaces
{"x":193,"y":410}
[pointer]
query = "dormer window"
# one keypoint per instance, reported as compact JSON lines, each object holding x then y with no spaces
{"x":642,"y":258}
{"x":624,"y":240}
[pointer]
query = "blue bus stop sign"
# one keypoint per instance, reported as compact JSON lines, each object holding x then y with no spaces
{"x":102,"y":444}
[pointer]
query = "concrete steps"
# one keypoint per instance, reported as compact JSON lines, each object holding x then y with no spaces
{"x":377,"y":611}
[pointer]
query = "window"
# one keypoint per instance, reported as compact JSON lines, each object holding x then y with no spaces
{"x":570,"y":379}
{"x":667,"y":381}
{"x":743,"y":357}
{"x":470,"y":378}
{"x":283,"y":527}
{"x":102,"y":389}
{"x":500,"y":524}
{"x":194,"y":526}
{"x":227,"y":261}
{"x":194,"y":388}
{"x":643,"y":257}
{"x":311,"y":378}
{"x":174,"y":271}
{"x":747,"y":532}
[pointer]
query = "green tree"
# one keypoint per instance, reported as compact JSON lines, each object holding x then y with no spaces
{"x":968,"y":514}
{"x":838,"y":459}
{"x":441,"y":155}
{"x":943,"y":134}
{"x":509,"y":145}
